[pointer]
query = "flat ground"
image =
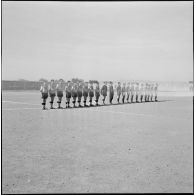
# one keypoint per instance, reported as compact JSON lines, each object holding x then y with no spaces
{"x":139,"y":147}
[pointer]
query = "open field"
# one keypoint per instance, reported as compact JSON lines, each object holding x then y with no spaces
{"x":139,"y":147}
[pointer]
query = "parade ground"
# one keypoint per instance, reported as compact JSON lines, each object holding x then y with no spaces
{"x":125,"y":148}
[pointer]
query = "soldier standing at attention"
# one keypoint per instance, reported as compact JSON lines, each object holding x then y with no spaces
{"x":80,"y":93}
{"x":141,"y":91}
{"x":156,"y":91}
{"x":44,"y":93}
{"x":52,"y":92}
{"x":74,"y":93}
{"x":128,"y":91}
{"x":59,"y":89}
{"x":148,"y":98}
{"x":85,"y":93}
{"x":68,"y":94}
{"x":97,"y":93}
{"x":111,"y":92}
{"x":104,"y":92}
{"x":118,"y":89}
{"x":123,"y":93}
{"x":146,"y":92}
{"x":137,"y":91}
{"x":91,"y":93}
{"x":151,"y":92}
{"x":132,"y":92}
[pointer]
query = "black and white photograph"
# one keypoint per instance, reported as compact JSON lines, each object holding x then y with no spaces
{"x":97,"y":97}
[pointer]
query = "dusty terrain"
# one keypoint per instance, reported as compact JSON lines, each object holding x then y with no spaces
{"x":130,"y":148}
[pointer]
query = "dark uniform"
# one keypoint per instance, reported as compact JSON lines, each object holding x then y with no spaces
{"x":97,"y":93}
{"x":91,"y":93}
{"x":80,"y":93}
{"x":68,"y":94}
{"x":141,"y":92}
{"x":85,"y":93}
{"x":128,"y":91}
{"x":118,"y":89}
{"x":44,"y":93}
{"x":74,"y":93}
{"x":104,"y":92}
{"x":59,"y":89}
{"x":123,"y":93}
{"x":52,"y":92}
{"x":111,"y":92}
{"x":137,"y":91}
{"x":151,"y":93}
{"x":132,"y":92}
{"x":148,"y":90}
{"x":156,"y":91}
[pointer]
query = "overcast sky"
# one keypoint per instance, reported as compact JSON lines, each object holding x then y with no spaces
{"x":97,"y":40}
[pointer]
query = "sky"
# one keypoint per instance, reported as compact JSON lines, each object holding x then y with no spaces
{"x":97,"y":40}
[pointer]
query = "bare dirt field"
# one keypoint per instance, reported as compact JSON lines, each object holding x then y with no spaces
{"x":134,"y":148}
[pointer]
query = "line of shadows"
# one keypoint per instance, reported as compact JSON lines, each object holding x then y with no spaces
{"x":115,"y":104}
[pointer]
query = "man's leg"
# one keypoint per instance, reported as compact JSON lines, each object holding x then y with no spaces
{"x":128,"y":98}
{"x":51,"y":102}
{"x":74,"y":101}
{"x":141,"y":98}
{"x":44,"y":103}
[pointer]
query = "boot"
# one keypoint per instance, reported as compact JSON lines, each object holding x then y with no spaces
{"x":43,"y":105}
{"x":51,"y":103}
{"x":58,"y":104}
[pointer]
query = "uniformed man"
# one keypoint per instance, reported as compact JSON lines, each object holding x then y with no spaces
{"x":148,"y":98}
{"x":111,"y":92}
{"x":128,"y":91}
{"x":136,"y":91}
{"x":141,"y":92}
{"x":151,"y":92}
{"x":60,"y":89}
{"x":132,"y":91}
{"x":80,"y":93}
{"x":104,"y":92}
{"x":118,"y":90}
{"x":44,"y":93}
{"x":74,"y":93}
{"x":68,"y":94}
{"x":85,"y":93}
{"x":123,"y":92}
{"x":156,"y":91}
{"x":97,"y":93}
{"x":146,"y":92}
{"x":52,"y":92}
{"x":91,"y":93}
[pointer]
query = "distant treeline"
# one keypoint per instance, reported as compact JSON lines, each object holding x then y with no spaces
{"x":35,"y":85}
{"x":31,"y":85}
{"x":20,"y":85}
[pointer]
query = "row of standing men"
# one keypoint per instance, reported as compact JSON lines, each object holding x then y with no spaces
{"x":129,"y":92}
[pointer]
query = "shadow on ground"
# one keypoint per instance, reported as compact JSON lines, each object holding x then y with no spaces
{"x":115,"y":104}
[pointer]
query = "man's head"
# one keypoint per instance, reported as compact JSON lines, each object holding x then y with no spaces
{"x":68,"y":83}
{"x":91,"y":84}
{"x":44,"y":83}
{"x":60,"y":81}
